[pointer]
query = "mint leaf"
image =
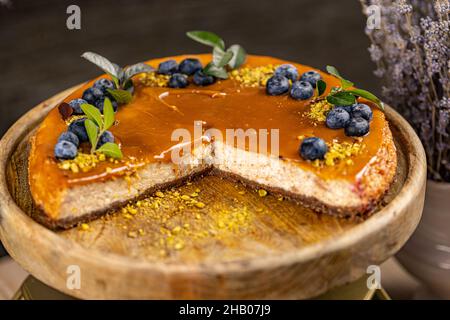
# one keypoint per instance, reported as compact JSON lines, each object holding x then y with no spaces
{"x":92,"y":132}
{"x":239,"y":56}
{"x":321,"y":86}
{"x":101,"y":62}
{"x":332,"y":70}
{"x":207,"y":38}
{"x":212,"y":70}
{"x":344,"y":83}
{"x":136,"y":69}
{"x":93,"y":114}
{"x":121,"y":96}
{"x":341,"y":98}
{"x":367,"y":95}
{"x":221,"y":58}
{"x":111,"y":150}
{"x":108,"y":114}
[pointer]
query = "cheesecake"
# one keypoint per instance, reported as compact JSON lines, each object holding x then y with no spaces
{"x":176,"y":126}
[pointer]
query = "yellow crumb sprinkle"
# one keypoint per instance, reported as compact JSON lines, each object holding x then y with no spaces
{"x":84,"y":227}
{"x":152,"y":79}
{"x":253,"y":76}
{"x":159,"y":194}
{"x":340,"y":152}
{"x":82,"y":162}
{"x":318,"y":110}
{"x":262,"y":192}
{"x":200,"y":205}
{"x":132,"y":234}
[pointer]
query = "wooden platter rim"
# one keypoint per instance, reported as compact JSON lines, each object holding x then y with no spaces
{"x":415,"y":178}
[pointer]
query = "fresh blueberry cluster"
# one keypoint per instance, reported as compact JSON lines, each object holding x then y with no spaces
{"x":179,"y":73}
{"x":69,"y":141}
{"x":302,"y":89}
{"x":96,"y":95}
{"x":354,"y":119}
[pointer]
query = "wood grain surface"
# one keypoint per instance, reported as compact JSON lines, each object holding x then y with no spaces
{"x":239,"y":245}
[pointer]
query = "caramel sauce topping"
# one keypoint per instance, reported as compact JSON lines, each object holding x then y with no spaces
{"x":145,"y":125}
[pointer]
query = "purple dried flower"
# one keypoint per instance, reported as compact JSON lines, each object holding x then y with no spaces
{"x":412,"y":52}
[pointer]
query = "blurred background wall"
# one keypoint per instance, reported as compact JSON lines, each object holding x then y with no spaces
{"x":39,"y":56}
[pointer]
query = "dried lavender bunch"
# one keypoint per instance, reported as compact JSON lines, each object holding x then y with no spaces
{"x":411,"y":50}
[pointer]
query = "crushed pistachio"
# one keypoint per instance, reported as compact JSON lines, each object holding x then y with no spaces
{"x":318,"y":110}
{"x":340,"y":152}
{"x":153,"y":79}
{"x":174,"y":233}
{"x":253,"y":76}
{"x":159,"y":194}
{"x":82,"y":162}
{"x":262,"y":192}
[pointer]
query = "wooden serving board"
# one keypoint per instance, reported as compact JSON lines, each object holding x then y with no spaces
{"x":240,"y":245}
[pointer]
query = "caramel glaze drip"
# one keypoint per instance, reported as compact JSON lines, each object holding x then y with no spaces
{"x":145,"y":126}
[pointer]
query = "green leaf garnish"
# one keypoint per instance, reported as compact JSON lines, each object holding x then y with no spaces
{"x":96,"y":125}
{"x":137,"y":68}
{"x":239,"y":56}
{"x":217,"y":72}
{"x":101,"y":62}
{"x":341,"y":98}
{"x":344,"y":83}
{"x":368,"y":96}
{"x":120,"y":76}
{"x":208,"y":38}
{"x":108,"y":114}
{"x":120,"y":95}
{"x":221,"y":58}
{"x":92,"y":113}
{"x":92,"y":131}
{"x":321,"y":86}
{"x":343,"y":95}
{"x":111,"y":150}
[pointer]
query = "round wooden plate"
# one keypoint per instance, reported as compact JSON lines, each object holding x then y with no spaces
{"x":239,"y":246}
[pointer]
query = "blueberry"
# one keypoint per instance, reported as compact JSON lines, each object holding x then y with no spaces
{"x":189,"y":66}
{"x":313,"y":148}
{"x":104,"y":84}
{"x":311,"y":77}
{"x":288,"y":71}
{"x":337,"y":118}
{"x":168,"y":67}
{"x":361,"y":110}
{"x":65,"y":150}
{"x":178,"y":80}
{"x":302,"y":90}
{"x":76,"y":105}
{"x":277,"y":85}
{"x":107,"y":136}
{"x":92,"y":94}
{"x":69,"y":136}
{"x":357,"y":127}
{"x":202,"y":79}
{"x":79,"y":129}
{"x":348,"y":108}
{"x":99,"y":104}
